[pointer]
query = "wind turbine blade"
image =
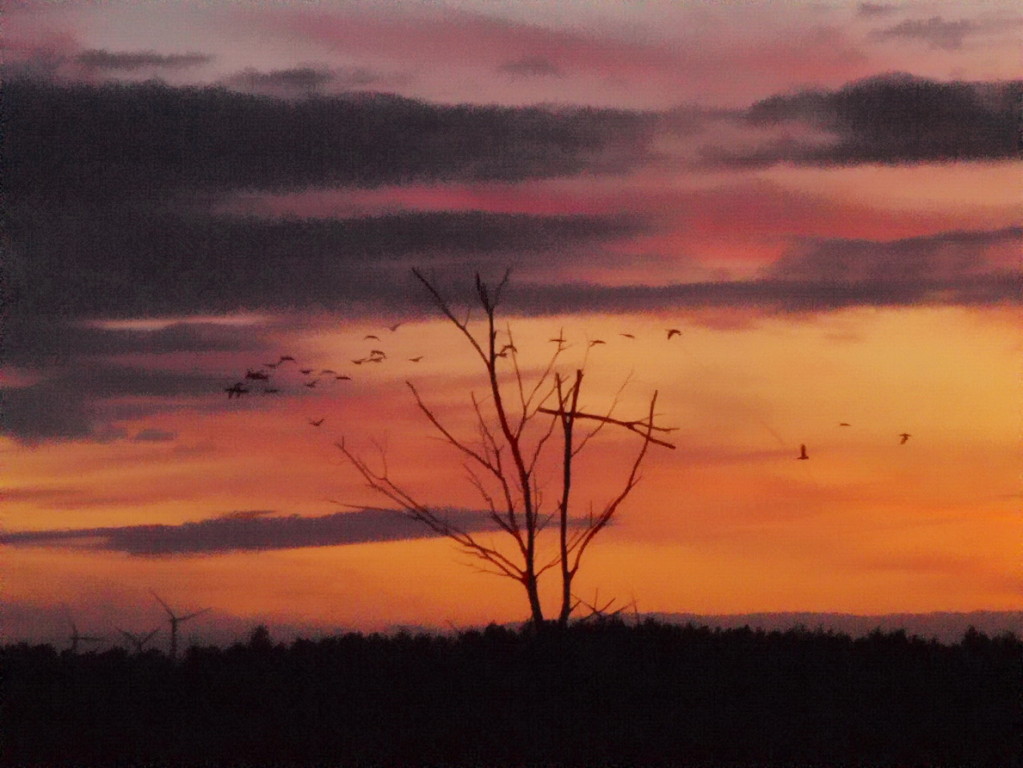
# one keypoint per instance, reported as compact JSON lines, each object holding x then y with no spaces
{"x":150,"y":636}
{"x":161,"y":602}
{"x":193,"y":615}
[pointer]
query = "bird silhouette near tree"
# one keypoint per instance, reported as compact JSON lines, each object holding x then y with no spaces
{"x":517,"y":425}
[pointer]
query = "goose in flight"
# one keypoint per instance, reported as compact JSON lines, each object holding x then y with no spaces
{"x":285,"y":357}
{"x":396,"y":326}
{"x":310,"y":384}
{"x":802,"y":453}
{"x":905,"y":436}
{"x":370,"y":336}
{"x":305,"y":371}
{"x":257,"y":375}
{"x":595,"y":342}
{"x":627,"y":335}
{"x":317,"y":422}
{"x":342,"y":377}
{"x":415,"y":359}
{"x":674,"y":332}
{"x":844,"y":424}
{"x":235,"y":390}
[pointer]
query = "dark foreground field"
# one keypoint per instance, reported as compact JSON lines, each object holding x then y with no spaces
{"x":596,"y":695}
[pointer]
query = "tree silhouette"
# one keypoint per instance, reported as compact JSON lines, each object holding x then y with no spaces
{"x":512,"y":448}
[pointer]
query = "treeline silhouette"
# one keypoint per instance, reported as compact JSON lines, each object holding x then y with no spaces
{"x":596,"y":694}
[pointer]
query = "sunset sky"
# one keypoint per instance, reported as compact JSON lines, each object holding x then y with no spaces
{"x":823,"y":197}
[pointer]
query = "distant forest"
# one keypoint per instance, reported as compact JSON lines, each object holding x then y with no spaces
{"x":596,"y":694}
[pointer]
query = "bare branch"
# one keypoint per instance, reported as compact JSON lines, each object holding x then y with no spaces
{"x":609,"y":510}
{"x":416,"y":511}
{"x":633,"y":426}
{"x":444,"y":431}
{"x":601,"y":424}
{"x":445,"y":308}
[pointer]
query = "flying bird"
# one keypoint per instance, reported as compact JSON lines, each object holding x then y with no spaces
{"x":285,"y":357}
{"x":317,"y":422}
{"x":415,"y":359}
{"x":393,"y":328}
{"x":310,"y":384}
{"x":674,"y":332}
{"x":331,"y":371}
{"x":360,"y":361}
{"x":905,"y":436}
{"x":377,"y":353}
{"x":844,"y":424}
{"x":236,"y":390}
{"x":802,"y":453}
{"x":257,"y":375}
{"x":370,"y":336}
{"x":305,"y":371}
{"x":342,"y":377}
{"x":270,"y":391}
{"x":595,"y":342}
{"x":627,"y":335}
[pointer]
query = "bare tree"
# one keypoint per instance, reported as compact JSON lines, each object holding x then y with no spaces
{"x":512,"y":447}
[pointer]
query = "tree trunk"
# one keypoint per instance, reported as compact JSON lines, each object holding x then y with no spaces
{"x":536,"y":610}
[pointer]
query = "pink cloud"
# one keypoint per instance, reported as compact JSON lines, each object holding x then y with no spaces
{"x":460,"y":55}
{"x":752,"y":222}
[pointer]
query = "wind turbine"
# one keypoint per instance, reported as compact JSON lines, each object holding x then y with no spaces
{"x":137,"y":640}
{"x":77,"y":638}
{"x":174,"y":621}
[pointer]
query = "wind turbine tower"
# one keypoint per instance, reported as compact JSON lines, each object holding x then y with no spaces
{"x":174,"y":620}
{"x":77,"y":638}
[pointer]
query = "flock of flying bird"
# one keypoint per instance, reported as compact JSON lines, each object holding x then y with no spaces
{"x":261,"y":375}
{"x":264,"y":372}
{"x":903,"y":438}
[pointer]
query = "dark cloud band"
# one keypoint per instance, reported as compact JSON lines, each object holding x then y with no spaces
{"x":93,"y":144}
{"x":250,"y":531}
{"x":134,"y":60}
{"x":889,"y":119}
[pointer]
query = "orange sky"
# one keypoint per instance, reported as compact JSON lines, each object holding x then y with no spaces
{"x":809,"y":292}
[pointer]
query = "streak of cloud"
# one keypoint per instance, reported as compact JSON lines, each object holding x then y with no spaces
{"x":153,"y":435}
{"x":875,"y":9}
{"x":531,"y":66}
{"x":886,"y":119}
{"x":149,"y":141}
{"x":135,"y":60}
{"x":64,"y":406}
{"x":305,"y":81}
{"x":182,"y":265}
{"x":935,"y":31}
{"x":250,"y":530}
{"x":949,"y":256}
